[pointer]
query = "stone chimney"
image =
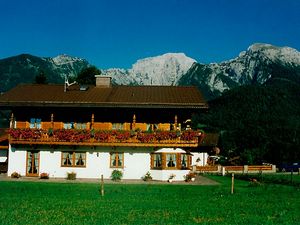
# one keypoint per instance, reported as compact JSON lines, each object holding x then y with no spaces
{"x":103,"y":81}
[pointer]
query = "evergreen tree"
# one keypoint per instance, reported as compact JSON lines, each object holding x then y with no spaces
{"x":87,"y":75}
{"x":41,"y":78}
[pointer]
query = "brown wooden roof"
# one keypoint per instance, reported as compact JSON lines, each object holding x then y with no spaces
{"x":116,"y":96}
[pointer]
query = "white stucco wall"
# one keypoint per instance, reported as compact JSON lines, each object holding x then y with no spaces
{"x":136,"y":163}
{"x":202,"y":156}
{"x":16,"y":161}
{"x":164,"y":175}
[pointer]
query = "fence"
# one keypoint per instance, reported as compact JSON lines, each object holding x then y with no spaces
{"x":235,"y":169}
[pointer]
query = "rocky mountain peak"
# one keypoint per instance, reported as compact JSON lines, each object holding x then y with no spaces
{"x":274,"y":53}
{"x":65,"y":59}
{"x":165,"y":69}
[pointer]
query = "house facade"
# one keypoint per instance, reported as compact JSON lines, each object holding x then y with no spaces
{"x":93,"y":130}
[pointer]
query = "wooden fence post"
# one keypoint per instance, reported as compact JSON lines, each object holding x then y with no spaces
{"x":102,"y":185}
{"x":232,"y":183}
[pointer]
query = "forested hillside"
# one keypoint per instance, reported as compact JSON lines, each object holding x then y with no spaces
{"x":257,"y":122}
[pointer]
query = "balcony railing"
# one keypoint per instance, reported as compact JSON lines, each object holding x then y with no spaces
{"x":95,"y":137}
{"x":96,"y":125}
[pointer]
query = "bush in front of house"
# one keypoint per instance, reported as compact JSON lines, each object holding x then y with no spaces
{"x":15,"y":175}
{"x":44,"y":176}
{"x":189,"y":177}
{"x":147,"y":177}
{"x":71,"y":176}
{"x":116,"y":175}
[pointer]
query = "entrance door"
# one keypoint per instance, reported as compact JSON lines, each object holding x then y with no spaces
{"x":33,"y":162}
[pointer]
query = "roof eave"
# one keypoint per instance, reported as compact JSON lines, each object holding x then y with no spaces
{"x":101,"y":104}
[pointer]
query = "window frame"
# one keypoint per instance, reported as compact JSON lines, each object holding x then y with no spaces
{"x":154,"y":160}
{"x":116,"y":159}
{"x":177,"y":159}
{"x":73,"y":159}
{"x":172,"y":156}
{"x":35,"y":123}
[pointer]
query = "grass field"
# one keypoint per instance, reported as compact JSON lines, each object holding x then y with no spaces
{"x":79,"y":203}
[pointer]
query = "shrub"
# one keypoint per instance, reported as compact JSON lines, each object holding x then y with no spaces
{"x":15,"y":175}
{"x":147,"y":176}
{"x":172,"y":176}
{"x":189,"y":177}
{"x":116,"y":175}
{"x":71,"y":176}
{"x":44,"y":176}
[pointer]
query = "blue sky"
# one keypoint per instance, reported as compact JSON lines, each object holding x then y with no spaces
{"x":116,"y":33}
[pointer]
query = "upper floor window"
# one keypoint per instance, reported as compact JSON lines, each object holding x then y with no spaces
{"x":81,"y":126}
{"x":73,"y":159}
{"x":69,"y":125}
{"x":118,"y":126}
{"x":35,"y":123}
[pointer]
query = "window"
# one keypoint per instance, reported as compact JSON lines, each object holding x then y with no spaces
{"x":170,"y":160}
{"x":35,"y":123}
{"x":117,"y":160}
{"x":81,"y":126}
{"x":157,"y":161}
{"x":118,"y":126}
{"x":32,"y":163}
{"x":73,"y":159}
{"x":184,"y":161}
{"x":69,"y":125}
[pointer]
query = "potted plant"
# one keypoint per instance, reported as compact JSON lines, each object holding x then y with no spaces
{"x":15,"y":175}
{"x":44,"y":176}
{"x":190,"y":177}
{"x":147,"y":177}
{"x":171,"y":177}
{"x":71,"y":176}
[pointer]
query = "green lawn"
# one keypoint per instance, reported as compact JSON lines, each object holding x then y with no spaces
{"x":78,"y":203}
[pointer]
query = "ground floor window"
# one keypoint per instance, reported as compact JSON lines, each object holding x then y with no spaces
{"x":117,"y":160}
{"x":157,"y":161}
{"x":73,"y":159}
{"x":170,"y":161}
{"x":32,"y":164}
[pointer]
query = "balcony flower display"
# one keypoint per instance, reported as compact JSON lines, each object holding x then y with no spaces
{"x":102,"y":136}
{"x":110,"y":136}
{"x":25,"y":133}
{"x":188,"y":135}
{"x":72,"y":135}
{"x":145,"y":137}
{"x":122,"y":135}
{"x":165,"y":135}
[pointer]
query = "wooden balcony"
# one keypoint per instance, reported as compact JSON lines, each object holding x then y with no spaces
{"x":113,"y":138}
{"x":95,"y":125}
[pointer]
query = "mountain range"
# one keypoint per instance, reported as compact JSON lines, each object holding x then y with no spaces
{"x":259,"y":64}
{"x":24,"y":68}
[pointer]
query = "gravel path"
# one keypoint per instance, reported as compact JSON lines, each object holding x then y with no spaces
{"x":200,"y":180}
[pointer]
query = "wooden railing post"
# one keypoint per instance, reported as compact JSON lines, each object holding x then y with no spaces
{"x":133,"y":122}
{"x":92,"y":121}
{"x":102,"y":186}
{"x":52,"y":120}
{"x":232,"y":183}
{"x":11,"y":125}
